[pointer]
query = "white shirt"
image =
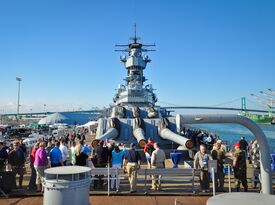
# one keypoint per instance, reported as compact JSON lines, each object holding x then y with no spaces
{"x":158,"y":156}
{"x":64,"y":151}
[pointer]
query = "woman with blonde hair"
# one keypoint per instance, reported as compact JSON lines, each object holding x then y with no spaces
{"x":80,"y":156}
{"x":40,"y":164}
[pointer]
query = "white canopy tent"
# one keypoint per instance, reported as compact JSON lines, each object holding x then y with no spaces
{"x":53,"y":118}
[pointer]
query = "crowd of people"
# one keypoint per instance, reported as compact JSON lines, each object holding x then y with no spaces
{"x":44,"y":154}
{"x":72,"y":150}
{"x":241,"y":152}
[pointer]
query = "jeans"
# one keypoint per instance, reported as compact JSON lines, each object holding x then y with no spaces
{"x":113,"y":181}
{"x":204,"y":180}
{"x":32,"y":184}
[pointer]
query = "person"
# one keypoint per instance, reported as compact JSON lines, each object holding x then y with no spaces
{"x":255,"y":159}
{"x":87,"y":149}
{"x":5,"y":147}
{"x":49,"y":147}
{"x":117,"y":160}
{"x":81,"y":136}
{"x":249,"y":151}
{"x":10,"y":148}
{"x":201,"y":159}
{"x":64,"y":150}
{"x":111,"y":147}
{"x":122,"y":147}
{"x":239,"y":166}
{"x":131,"y":163}
{"x":157,"y":161}
{"x":22,"y":146}
{"x":243,"y":144}
{"x":148,"y":150}
{"x":72,"y":153}
{"x":56,"y":156}
{"x":80,"y":156}
{"x":219,"y":154}
{"x":101,"y":155}
{"x":40,"y":164}
{"x":17,"y":161}
{"x":32,"y":182}
{"x":3,"y":156}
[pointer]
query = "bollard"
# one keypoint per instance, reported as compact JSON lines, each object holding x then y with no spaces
{"x":67,"y":185}
{"x":213,"y":181}
{"x":229,"y":178}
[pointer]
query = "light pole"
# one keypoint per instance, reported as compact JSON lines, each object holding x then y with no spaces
{"x":18,"y":97}
{"x":45,"y":109}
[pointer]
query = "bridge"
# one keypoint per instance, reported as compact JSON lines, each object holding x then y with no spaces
{"x":99,"y":111}
{"x":214,"y":108}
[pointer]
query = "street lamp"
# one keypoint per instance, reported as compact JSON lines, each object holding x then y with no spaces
{"x":18,"y":97}
{"x":45,"y":108}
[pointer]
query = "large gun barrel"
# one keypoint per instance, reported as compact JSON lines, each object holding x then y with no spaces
{"x":139,"y":135}
{"x":166,"y":133}
{"x":112,"y":132}
{"x":169,"y":135}
{"x":139,"y":131}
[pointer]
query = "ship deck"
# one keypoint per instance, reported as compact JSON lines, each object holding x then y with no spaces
{"x":171,"y":192}
{"x":121,"y":200}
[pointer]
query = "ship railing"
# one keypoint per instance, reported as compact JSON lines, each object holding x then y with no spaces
{"x":109,"y":174}
{"x":171,"y":175}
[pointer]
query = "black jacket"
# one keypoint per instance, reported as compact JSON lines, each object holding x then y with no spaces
{"x":101,"y":154}
{"x":16,"y":158}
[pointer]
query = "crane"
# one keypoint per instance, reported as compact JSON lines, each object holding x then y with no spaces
{"x":272,"y":91}
{"x":262,"y":101}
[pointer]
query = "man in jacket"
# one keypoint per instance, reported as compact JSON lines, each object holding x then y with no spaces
{"x":101,"y":155}
{"x":17,"y":161}
{"x":219,"y":154}
{"x":239,"y":165}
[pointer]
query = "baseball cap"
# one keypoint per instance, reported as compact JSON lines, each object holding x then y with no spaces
{"x":237,"y":144}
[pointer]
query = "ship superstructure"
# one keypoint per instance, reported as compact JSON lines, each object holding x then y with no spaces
{"x":134,"y":117}
{"x":134,"y":93}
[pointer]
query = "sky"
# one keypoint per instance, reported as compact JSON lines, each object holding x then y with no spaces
{"x":208,"y":52}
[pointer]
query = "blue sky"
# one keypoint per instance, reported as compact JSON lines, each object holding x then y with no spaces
{"x":208,"y":51}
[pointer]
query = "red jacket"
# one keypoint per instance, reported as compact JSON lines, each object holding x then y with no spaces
{"x":32,"y":154}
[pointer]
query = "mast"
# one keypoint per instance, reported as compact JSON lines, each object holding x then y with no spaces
{"x":134,"y":93}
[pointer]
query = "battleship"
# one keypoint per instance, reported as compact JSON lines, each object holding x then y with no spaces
{"x":135,"y":117}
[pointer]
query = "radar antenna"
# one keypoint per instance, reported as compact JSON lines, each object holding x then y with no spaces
{"x":135,"y":44}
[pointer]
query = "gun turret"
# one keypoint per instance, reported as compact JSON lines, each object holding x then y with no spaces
{"x":165,"y":133}
{"x":139,"y":131}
